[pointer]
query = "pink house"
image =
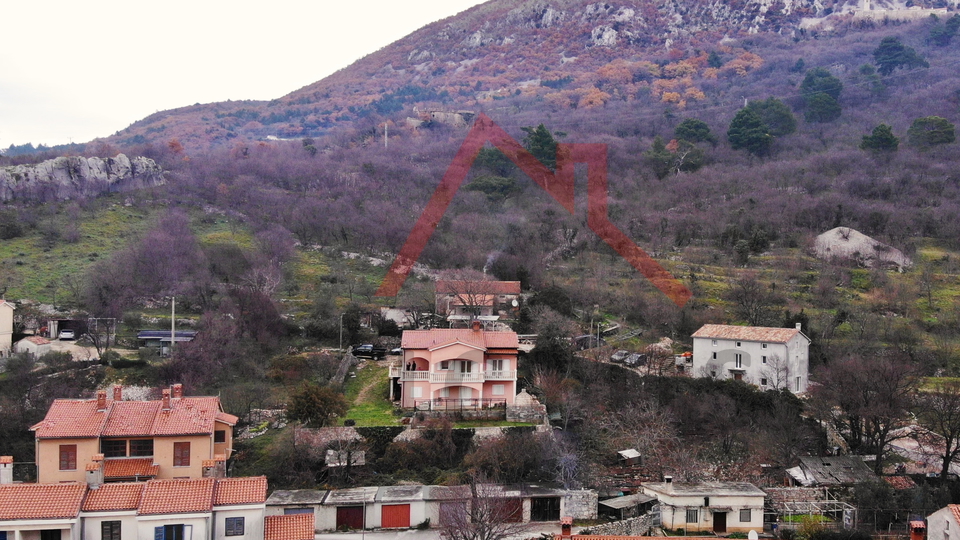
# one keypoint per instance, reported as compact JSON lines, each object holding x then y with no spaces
{"x":449,"y":368}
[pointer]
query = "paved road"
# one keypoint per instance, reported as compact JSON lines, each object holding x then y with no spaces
{"x":534,"y":532}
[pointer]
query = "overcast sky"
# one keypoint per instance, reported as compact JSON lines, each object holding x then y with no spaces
{"x":74,"y":70}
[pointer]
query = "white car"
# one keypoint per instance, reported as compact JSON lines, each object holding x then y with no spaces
{"x":67,"y":334}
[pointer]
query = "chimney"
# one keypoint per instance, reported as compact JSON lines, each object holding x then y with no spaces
{"x":566,"y":527}
{"x":668,"y":479}
{"x":476,"y":325}
{"x":216,"y":467}
{"x":101,"y":400}
{"x":177,"y":390}
{"x":95,"y":472}
{"x":798,"y":326}
{"x":118,"y":392}
{"x":166,"y":399}
{"x":6,"y":470}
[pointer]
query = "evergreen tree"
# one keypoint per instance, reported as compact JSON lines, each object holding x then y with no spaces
{"x":930,"y":131}
{"x":776,"y":115}
{"x":693,"y":131}
{"x":540,"y":142}
{"x":747,"y":131}
{"x":714,"y":60}
{"x":822,"y":108}
{"x":881,"y":141}
{"x":891,"y":54}
{"x":820,"y":81}
{"x":659,"y":158}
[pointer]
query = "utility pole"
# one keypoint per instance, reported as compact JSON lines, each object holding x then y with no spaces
{"x":385,"y":129}
{"x":173,"y":322}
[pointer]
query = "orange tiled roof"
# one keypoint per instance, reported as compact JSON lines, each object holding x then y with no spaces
{"x":41,"y":501}
{"x":955,"y":510}
{"x":248,"y":490}
{"x":474,"y":287}
{"x":430,"y":339}
{"x":79,"y":418}
{"x":130,"y":468}
{"x":177,"y":496}
{"x":288,"y":527}
{"x":72,"y":418}
{"x":746,"y":333}
{"x":37,"y":340}
{"x":114,"y":497}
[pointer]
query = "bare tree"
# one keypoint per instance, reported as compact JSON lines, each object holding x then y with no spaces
{"x":753,"y":301}
{"x":939,"y":411}
{"x":481,"y":511}
{"x":777,"y":372}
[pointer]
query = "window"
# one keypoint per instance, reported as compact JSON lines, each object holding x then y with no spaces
{"x":714,"y":343}
{"x":181,"y":454}
{"x":714,"y":355}
{"x":220,"y":435}
{"x":113,"y":448}
{"x":466,"y":366}
{"x":141,"y":447}
{"x":745,"y":515}
{"x":763,"y":359}
{"x":110,"y":530}
{"x":496,"y":365}
{"x":68,"y":457}
{"x":444,"y":365}
{"x":738,"y":344}
{"x":445,"y":392}
{"x":692,"y":516}
{"x":739,"y":360}
{"x":417,"y":392}
{"x":498,"y":389}
{"x":763,"y":345}
{"x":171,"y":532}
{"x":763,"y":382}
{"x":798,"y":384}
{"x":50,"y":534}
{"x":234,"y":526}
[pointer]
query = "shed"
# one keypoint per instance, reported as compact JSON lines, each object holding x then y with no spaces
{"x":628,"y":506}
{"x":831,"y":471}
{"x":398,"y":507}
{"x":35,"y":345}
{"x":345,"y":509}
{"x":296,"y":501}
{"x":630,"y":456}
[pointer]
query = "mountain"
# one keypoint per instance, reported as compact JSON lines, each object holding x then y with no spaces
{"x":576,"y":53}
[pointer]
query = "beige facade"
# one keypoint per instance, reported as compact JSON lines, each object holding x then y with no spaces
{"x":51,"y":470}
{"x":6,"y":328}
{"x":720,"y":507}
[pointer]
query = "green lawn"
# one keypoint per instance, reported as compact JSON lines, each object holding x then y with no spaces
{"x":368,"y":394}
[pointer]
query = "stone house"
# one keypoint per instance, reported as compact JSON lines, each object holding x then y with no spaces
{"x":771,"y":358}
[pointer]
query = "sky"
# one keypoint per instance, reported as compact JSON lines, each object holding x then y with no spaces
{"x":74,"y":70}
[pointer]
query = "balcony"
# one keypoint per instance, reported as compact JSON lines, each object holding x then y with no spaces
{"x":451,"y":377}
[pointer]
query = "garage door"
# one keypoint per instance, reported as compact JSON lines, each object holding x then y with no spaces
{"x":395,"y":516}
{"x":349,"y":517}
{"x":545,"y":509}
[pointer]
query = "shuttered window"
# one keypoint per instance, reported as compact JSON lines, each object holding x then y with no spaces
{"x":181,"y":454}
{"x":68,"y":457}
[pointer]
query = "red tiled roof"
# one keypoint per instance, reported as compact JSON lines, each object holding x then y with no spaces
{"x":41,"y":501}
{"x":177,"y":496}
{"x":75,"y":418}
{"x":130,"y":468}
{"x":477,"y":287}
{"x":71,"y":418}
{"x":746,"y":333}
{"x":113,"y":497}
{"x":955,"y":510}
{"x":37,"y":340}
{"x":288,"y":527}
{"x":248,"y":490}
{"x":430,"y":339}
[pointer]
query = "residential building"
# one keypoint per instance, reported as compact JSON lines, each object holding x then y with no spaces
{"x":462,"y":301}
{"x":944,"y":524}
{"x":6,"y":328}
{"x":174,"y":437}
{"x":191,"y":509}
{"x":459,"y":368}
{"x":720,"y":507}
{"x":771,"y":358}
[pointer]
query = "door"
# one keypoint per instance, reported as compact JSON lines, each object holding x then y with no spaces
{"x":349,"y":517}
{"x":395,"y":516}
{"x":719,"y":522}
{"x":545,"y":509}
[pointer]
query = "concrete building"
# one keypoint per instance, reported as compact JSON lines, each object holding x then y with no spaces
{"x":771,"y":358}
{"x":720,"y":507}
{"x":6,"y":328}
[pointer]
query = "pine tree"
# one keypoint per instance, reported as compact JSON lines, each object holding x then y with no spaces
{"x":747,"y":131}
{"x":540,"y":142}
{"x":891,"y":54}
{"x":881,"y":141}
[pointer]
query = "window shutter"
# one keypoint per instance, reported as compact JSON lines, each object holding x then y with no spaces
{"x":158,"y":533}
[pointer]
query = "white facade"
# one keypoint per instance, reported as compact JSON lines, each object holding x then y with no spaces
{"x":93,"y":523}
{"x":30,"y":529}
{"x":944,"y":524}
{"x":771,"y":358}
{"x":708,"y":506}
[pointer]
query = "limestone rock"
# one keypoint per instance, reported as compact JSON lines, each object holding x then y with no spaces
{"x":67,"y":177}
{"x":850,"y":244}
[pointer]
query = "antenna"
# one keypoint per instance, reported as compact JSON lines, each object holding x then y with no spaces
{"x":385,"y":134}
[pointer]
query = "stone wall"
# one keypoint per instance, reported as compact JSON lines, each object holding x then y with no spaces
{"x":638,"y":526}
{"x":580,"y":504}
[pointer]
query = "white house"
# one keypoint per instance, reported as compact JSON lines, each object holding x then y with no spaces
{"x":944,"y":524}
{"x":6,"y":327}
{"x":720,"y":507}
{"x":771,"y":358}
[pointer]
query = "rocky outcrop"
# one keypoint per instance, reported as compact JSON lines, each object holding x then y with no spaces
{"x":70,"y":177}
{"x":844,"y":243}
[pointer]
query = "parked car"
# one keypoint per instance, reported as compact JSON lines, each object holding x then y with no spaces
{"x":619,"y":356}
{"x":367,"y":350}
{"x":67,"y":334}
{"x":636,"y":359}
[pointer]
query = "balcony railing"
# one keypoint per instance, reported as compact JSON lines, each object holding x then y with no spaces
{"x":449,"y":377}
{"x":454,"y":404}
